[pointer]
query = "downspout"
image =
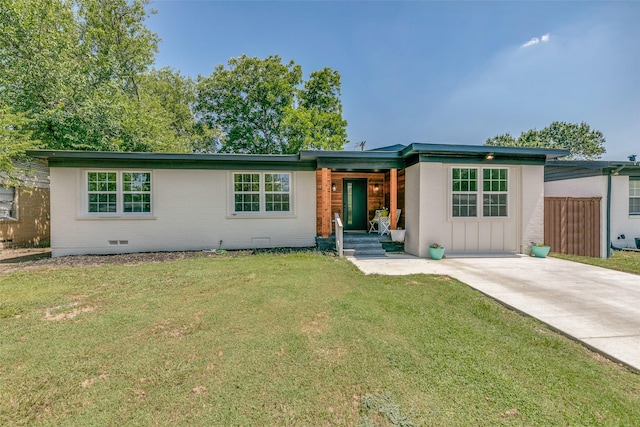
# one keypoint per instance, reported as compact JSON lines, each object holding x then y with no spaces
{"x":609,"y":215}
{"x":612,"y":173}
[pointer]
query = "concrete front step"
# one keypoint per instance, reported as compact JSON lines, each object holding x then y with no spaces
{"x":361,"y":244}
{"x":364,"y":244}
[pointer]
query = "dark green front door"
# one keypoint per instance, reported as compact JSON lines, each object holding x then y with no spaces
{"x":354,"y":204}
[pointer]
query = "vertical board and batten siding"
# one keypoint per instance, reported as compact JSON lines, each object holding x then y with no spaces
{"x":192,"y":210}
{"x":572,"y":225}
{"x":428,"y":212}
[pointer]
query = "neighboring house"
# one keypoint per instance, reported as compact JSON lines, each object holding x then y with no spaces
{"x":24,"y":210}
{"x":614,"y":190}
{"x":469,"y":198}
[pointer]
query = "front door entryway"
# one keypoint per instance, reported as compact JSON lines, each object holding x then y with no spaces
{"x":354,"y":204}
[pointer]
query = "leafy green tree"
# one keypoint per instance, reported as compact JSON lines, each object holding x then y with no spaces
{"x":583,"y":142}
{"x":263,"y":106}
{"x":74,"y":68}
{"x":15,"y":138}
{"x":175,"y":95}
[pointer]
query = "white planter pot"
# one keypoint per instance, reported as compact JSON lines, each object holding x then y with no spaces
{"x":398,"y":235}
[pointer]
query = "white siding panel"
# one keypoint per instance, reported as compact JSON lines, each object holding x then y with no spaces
{"x":190,"y":212}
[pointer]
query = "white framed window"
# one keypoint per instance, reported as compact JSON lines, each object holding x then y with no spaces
{"x":465,"y":192}
{"x":136,"y":192}
{"x":479,"y":192}
{"x":262,"y":192}
{"x":118,"y":192}
{"x":494,"y":189}
{"x":8,"y":203}
{"x":634,"y":196}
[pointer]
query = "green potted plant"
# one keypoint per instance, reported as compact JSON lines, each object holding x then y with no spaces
{"x":540,"y":250}
{"x":436,"y":251}
{"x":384,"y":211}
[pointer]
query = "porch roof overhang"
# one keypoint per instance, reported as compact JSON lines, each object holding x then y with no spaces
{"x":354,"y":160}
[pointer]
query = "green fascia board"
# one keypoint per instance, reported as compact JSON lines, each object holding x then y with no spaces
{"x":477,"y":160}
{"x":360,"y":164}
{"x":305,"y":160}
{"x":510,"y":153}
{"x":93,"y":159}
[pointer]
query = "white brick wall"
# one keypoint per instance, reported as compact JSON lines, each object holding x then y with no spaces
{"x":191,"y":211}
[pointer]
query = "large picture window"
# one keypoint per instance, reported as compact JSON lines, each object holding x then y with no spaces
{"x":262,"y":192}
{"x":467,"y":195}
{"x":118,"y":192}
{"x":634,"y":197}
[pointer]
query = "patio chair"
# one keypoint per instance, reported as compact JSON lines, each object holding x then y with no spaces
{"x":373,"y":222}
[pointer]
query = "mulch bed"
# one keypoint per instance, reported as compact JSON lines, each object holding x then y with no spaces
{"x":27,"y":259}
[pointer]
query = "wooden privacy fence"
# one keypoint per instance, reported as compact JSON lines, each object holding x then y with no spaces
{"x":572,"y":225}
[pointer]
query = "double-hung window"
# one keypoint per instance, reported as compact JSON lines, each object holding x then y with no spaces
{"x":494,"y":188}
{"x":111,"y":192}
{"x":256,"y":192}
{"x":7,"y":203}
{"x":634,"y":197}
{"x":465,"y":192}
{"x":479,"y":192}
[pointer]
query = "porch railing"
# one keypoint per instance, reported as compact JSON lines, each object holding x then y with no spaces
{"x":339,"y":234}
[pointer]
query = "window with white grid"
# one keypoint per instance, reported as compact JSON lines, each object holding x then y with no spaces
{"x":118,"y":192}
{"x":634,"y":197}
{"x":479,"y":192}
{"x":494,"y":192}
{"x":256,"y":192}
{"x":465,"y":192}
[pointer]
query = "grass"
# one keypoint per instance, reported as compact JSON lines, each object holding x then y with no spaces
{"x":627,"y":261}
{"x":290,"y":339}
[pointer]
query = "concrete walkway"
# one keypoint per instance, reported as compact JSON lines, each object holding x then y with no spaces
{"x":594,"y":305}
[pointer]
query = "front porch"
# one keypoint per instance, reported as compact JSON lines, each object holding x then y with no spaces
{"x":355,"y":196}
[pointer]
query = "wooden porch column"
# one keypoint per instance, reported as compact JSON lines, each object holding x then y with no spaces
{"x":324,"y":210}
{"x":393,"y":197}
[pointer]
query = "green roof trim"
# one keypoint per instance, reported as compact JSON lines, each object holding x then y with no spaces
{"x":113,"y":159}
{"x":306,"y":160}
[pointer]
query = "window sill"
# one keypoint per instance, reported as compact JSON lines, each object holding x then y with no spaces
{"x":115,"y":217}
{"x":261,"y":215}
{"x":9,"y":219}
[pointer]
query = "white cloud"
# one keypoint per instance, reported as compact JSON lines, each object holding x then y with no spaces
{"x":545,"y":38}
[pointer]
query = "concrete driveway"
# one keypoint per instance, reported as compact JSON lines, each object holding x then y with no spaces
{"x":594,"y":305}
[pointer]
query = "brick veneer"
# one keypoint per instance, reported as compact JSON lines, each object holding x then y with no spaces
{"x":32,"y":224}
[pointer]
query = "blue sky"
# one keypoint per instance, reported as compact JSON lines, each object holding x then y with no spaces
{"x":436,"y":72}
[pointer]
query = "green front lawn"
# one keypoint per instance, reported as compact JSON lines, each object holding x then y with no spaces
{"x":627,"y":261}
{"x":296,"y":339}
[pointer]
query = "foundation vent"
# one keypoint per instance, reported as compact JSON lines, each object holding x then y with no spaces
{"x":118,"y":242}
